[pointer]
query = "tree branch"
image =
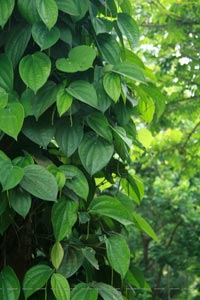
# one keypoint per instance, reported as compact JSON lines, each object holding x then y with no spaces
{"x":190,"y":134}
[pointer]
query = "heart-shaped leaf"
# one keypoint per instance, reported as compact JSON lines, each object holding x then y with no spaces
{"x":57,"y":254}
{"x":44,"y":37}
{"x":10,"y":175}
{"x":11,"y":119}
{"x":6,"y":73}
{"x":112,"y":85}
{"x":60,"y":287}
{"x":9,"y":285}
{"x":34,"y":70}
{"x":6,"y":8}
{"x":20,"y":201}
{"x":63,"y":101}
{"x":48,"y":12}
{"x":28,"y":10}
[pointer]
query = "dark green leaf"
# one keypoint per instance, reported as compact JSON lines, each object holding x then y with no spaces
{"x":72,"y":261}
{"x":64,"y":216}
{"x":91,"y":149}
{"x":109,"y":48}
{"x":68,"y":137}
{"x":100,"y":125}
{"x":89,"y":254}
{"x":134,"y":188}
{"x":3,"y":98}
{"x":83,"y":91}
{"x":60,"y":287}
{"x":35,"y":278}
{"x":34,"y":70}
{"x":6,"y":73}
{"x":48,"y":12}
{"x":84,"y":292}
{"x":142,"y":223}
{"x":76,"y":180}
{"x":28,"y":10}
{"x":44,"y":37}
{"x":74,"y":7}
{"x":110,"y":207}
{"x":9,"y":285}
{"x":40,"y":183}
{"x":20,"y":201}
{"x":108,"y":292}
{"x":129,"y":70}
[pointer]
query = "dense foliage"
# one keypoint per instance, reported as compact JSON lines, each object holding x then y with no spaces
{"x":71,"y":88}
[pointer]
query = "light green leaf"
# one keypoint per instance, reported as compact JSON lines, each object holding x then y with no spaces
{"x":129,"y":28}
{"x":118,"y":254}
{"x":147,"y":108}
{"x":11,"y":119}
{"x":74,"y":7}
{"x":6,"y":8}
{"x":75,"y":180}
{"x":48,"y":12}
{"x":34,"y":70}
{"x":80,"y":59}
{"x":17,"y":42}
{"x":35,"y":278}
{"x":107,"y":292}
{"x":63,"y":217}
{"x":89,"y":254}
{"x":57,"y":254}
{"x":112,"y":85}
{"x":3,"y":98}
{"x":28,"y":10}
{"x":142,"y":223}
{"x":72,"y":261}
{"x":9,"y":285}
{"x":91,"y":149}
{"x":10,"y":175}
{"x":60,"y":287}
{"x":63,"y":101}
{"x":84,"y":292}
{"x":20,"y":201}
{"x":110,"y":207}
{"x":6,"y":73}
{"x":44,"y":37}
{"x":108,"y":48}
{"x":40,"y":183}
{"x":129,"y":70}
{"x":83,"y":91}
{"x":68,"y":137}
{"x":99,"y":123}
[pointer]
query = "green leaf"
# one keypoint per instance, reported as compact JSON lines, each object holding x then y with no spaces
{"x":34,"y":70}
{"x":6,"y":219}
{"x":112,"y":85}
{"x":6,"y":73}
{"x":129,"y":70}
{"x":6,"y":8}
{"x":99,"y":123}
{"x":101,"y":25}
{"x":40,"y":132}
{"x":35,"y":278}
{"x":89,"y":254}
{"x":142,"y":223}
{"x":121,"y":132}
{"x":108,"y":48}
{"x":17,"y":42}
{"x":45,"y":97}
{"x":84,"y":292}
{"x":60,"y":287}
{"x":3,"y":98}
{"x":147,"y":108}
{"x":110,"y":207}
{"x":63,"y":101}
{"x":68,"y":137}
{"x":129,"y":28}
{"x":76,"y":180}
{"x":57,"y":254}
{"x":44,"y":37}
{"x":83,"y":91}
{"x":63,"y":217}
{"x":91,"y":149}
{"x":80,"y":59}
{"x":134,"y":187}
{"x":107,"y":292}
{"x":72,"y":261}
{"x":74,"y":7}
{"x":10,"y":175}
{"x":48,"y":12}
{"x":3,"y":203}
{"x":9,"y":285}
{"x":39,"y":182}
{"x":20,"y":201}
{"x":28,"y":10}
{"x":13,"y":112}
{"x":118,"y":254}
